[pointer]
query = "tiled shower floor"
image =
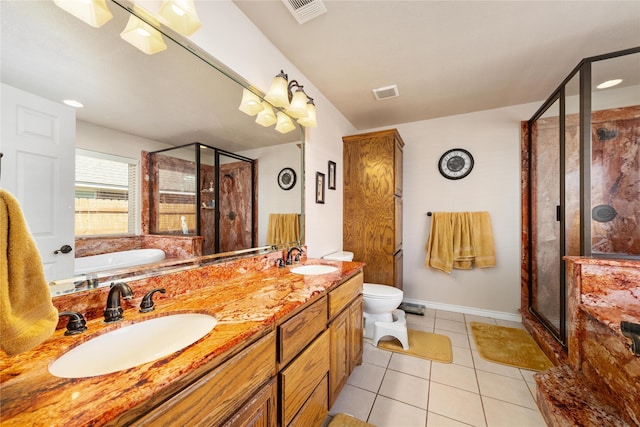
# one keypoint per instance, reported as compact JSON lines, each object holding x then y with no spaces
{"x":396,"y":390}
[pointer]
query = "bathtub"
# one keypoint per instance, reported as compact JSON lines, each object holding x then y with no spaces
{"x":115,"y":260}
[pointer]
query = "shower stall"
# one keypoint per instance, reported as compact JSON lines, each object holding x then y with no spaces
{"x":581,"y":176}
{"x":198,"y":190}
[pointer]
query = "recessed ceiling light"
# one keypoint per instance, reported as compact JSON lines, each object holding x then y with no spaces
{"x":609,"y":83}
{"x":73,"y":103}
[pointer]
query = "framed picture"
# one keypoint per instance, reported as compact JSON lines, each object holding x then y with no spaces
{"x":319,"y":187}
{"x":331,"y":185}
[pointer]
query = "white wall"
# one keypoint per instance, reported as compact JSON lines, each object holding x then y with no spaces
{"x":272,"y":198}
{"x":493,"y":138}
{"x":229,"y":36}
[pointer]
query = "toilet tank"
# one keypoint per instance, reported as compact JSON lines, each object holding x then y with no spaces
{"x":339,"y":256}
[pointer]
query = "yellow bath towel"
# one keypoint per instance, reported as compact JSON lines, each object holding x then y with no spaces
{"x":460,"y":240}
{"x":27,"y":315}
{"x":440,"y":245}
{"x":483,"y":244}
{"x":283,"y":228}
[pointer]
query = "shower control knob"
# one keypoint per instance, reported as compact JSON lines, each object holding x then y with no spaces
{"x":65,"y":249}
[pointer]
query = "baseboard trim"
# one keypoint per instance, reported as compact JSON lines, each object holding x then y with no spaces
{"x":467,"y":310}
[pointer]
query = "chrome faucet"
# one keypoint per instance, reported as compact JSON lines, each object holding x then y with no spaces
{"x":289,"y":260}
{"x":114,"y":311}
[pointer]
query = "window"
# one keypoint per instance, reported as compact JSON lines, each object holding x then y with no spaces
{"x":106,"y":194}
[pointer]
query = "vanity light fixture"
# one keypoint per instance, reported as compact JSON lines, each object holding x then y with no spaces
{"x":180,"y":16}
{"x":297,"y":104}
{"x":289,"y":103}
{"x":266,"y":117}
{"x":251,"y":103}
{"x":143,"y":36}
{"x":310,"y":120}
{"x":284,"y":124}
{"x":93,"y":12}
{"x":609,"y":83}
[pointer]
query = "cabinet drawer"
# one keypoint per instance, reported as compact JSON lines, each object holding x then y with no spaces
{"x":300,"y":378}
{"x":214,"y":397}
{"x":314,"y":412}
{"x":301,"y":329}
{"x":340,"y":297}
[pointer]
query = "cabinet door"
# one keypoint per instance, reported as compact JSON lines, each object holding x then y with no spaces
{"x":218,"y":394}
{"x":398,"y":270}
{"x":339,"y":358}
{"x":398,"y":223}
{"x":397,"y":170}
{"x":260,"y":411}
{"x":356,"y":333}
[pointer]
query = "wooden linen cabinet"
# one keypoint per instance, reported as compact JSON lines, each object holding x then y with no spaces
{"x":372,"y":217}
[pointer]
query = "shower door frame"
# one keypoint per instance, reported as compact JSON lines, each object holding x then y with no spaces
{"x":585,"y":153}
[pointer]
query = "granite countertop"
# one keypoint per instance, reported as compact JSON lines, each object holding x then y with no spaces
{"x":247,"y":306}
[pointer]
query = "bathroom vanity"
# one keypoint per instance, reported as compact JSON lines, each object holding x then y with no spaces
{"x":283,"y":346}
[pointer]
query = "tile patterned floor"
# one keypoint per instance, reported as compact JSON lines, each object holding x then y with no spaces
{"x":396,"y":390}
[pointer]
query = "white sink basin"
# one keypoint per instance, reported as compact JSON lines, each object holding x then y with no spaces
{"x":133,"y":345}
{"x":314,"y":269}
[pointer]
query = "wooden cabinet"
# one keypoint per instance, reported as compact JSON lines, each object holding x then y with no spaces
{"x":287,"y":378}
{"x":345,"y":329}
{"x":301,"y":378}
{"x":221,"y":393}
{"x":372,"y":217}
{"x":259,"y":411}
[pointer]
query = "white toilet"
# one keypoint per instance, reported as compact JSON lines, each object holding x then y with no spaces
{"x":381,"y":314}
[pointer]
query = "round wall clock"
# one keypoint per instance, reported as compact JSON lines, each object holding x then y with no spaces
{"x":287,"y":178}
{"x":455,"y":164}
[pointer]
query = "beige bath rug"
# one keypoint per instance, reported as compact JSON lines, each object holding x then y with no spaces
{"x":509,"y":346}
{"x":424,"y":345}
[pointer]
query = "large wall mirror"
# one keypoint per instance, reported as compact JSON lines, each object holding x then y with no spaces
{"x":134,"y":102}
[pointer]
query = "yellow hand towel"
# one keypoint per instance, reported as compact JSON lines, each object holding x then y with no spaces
{"x":283,"y":228}
{"x":440,"y":244}
{"x":483,"y":245}
{"x":463,"y":250}
{"x":27,"y":315}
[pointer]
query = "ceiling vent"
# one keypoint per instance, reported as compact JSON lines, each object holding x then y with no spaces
{"x":386,"y":92}
{"x":305,"y":10}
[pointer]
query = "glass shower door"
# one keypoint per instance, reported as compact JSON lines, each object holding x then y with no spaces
{"x":547,"y":284}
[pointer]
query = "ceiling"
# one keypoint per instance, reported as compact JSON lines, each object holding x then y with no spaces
{"x":446,"y":57}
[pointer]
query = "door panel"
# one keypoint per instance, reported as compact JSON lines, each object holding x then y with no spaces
{"x":38,"y":142}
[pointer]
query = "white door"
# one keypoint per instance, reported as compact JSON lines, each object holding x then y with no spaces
{"x":38,"y":164}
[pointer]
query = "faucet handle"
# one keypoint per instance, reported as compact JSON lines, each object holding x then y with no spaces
{"x":147,"y":304}
{"x":76,"y":324}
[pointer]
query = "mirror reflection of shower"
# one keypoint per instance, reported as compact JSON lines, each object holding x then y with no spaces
{"x":197,"y":190}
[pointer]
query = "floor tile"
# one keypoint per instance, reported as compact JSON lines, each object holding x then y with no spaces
{"x":374,"y":355}
{"x":455,"y":376}
{"x":503,"y":414}
{"x":354,"y":401}
{"x":457,"y":339}
{"x":504,"y":388}
{"x":496,"y":368}
{"x":436,"y":420}
{"x":405,"y":388}
{"x":410,"y":365}
{"x":451,"y":325}
{"x":449,"y":315}
{"x":462,"y":356}
{"x":367,"y":376}
{"x":420,"y":323}
{"x":456,"y":404}
{"x":391,"y":413}
{"x":481,"y":319}
{"x":398,"y":390}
